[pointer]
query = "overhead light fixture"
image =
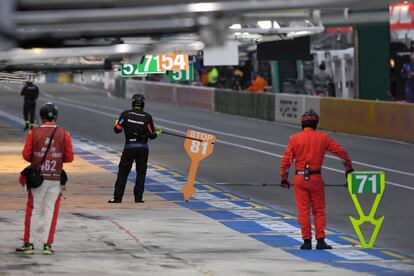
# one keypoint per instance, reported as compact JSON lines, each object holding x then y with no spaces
{"x":276,"y":25}
{"x":235,"y":26}
{"x":37,"y":51}
{"x":298,"y":34}
{"x":266,"y":24}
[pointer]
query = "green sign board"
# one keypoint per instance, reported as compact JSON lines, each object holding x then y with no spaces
{"x":182,"y":75}
{"x":366,"y":183}
{"x":131,"y":70}
{"x":149,"y":65}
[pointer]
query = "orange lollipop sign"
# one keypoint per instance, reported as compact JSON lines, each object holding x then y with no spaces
{"x":198,"y":148}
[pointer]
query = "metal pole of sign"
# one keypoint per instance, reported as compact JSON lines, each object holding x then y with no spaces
{"x":182,"y":136}
{"x":272,"y":184}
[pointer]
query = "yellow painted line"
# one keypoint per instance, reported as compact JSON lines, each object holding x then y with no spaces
{"x":351,"y":240}
{"x":210,"y":188}
{"x":329,"y":232}
{"x":392,"y":254}
{"x":159,"y":168}
{"x":232,"y":196}
{"x":257,"y":205}
{"x":285,"y":215}
{"x":175,"y":174}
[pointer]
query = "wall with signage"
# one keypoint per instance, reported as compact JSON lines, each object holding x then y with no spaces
{"x":372,"y":118}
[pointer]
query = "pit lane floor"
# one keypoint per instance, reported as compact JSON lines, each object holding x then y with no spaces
{"x":249,"y":151}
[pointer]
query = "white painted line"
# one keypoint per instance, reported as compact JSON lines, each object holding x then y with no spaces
{"x":247,"y":138}
{"x":112,"y":115}
{"x":8,"y":88}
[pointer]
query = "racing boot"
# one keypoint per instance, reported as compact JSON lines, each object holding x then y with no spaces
{"x":47,"y":249}
{"x":307,"y":244}
{"x":27,"y":248}
{"x":26,"y":126}
{"x":139,"y":200}
{"x":321,"y":244}
{"x":114,"y":201}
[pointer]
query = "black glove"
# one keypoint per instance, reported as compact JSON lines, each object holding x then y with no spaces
{"x":285,"y":184}
{"x":348,"y":171}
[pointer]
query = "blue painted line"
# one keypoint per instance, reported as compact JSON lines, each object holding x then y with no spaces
{"x":178,"y":196}
{"x":174,"y":178}
{"x":158,"y":188}
{"x":93,"y":157}
{"x":194,"y":205}
{"x":277,"y":240}
{"x":220,"y":215}
{"x":249,"y":226}
{"x":110,"y":167}
{"x":245,"y":226}
{"x":286,"y":241}
{"x":82,"y":152}
{"x":101,"y":162}
{"x":314,"y":255}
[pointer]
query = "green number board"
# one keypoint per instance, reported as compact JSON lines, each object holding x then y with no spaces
{"x":182,"y":75}
{"x":131,"y":70}
{"x":149,"y":65}
{"x":366,"y":182}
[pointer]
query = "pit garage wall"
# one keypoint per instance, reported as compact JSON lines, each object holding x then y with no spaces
{"x":363,"y":117}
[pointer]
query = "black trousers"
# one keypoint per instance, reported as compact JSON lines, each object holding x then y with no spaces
{"x":29,"y":109}
{"x":140,"y":156}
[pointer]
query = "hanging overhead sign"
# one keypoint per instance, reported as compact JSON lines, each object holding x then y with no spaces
{"x":159,"y":64}
{"x":172,"y":62}
{"x":402,"y":16}
{"x":182,"y":75}
{"x":131,"y":70}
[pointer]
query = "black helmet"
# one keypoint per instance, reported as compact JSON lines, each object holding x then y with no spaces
{"x":48,"y":112}
{"x":138,"y":101}
{"x":310,"y":119}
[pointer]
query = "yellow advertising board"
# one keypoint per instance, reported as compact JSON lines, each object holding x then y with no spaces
{"x":372,"y":118}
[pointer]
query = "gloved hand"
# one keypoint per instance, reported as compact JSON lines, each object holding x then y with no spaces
{"x":348,"y":171}
{"x":22,"y":180}
{"x":158,"y":132}
{"x":285,"y":184}
{"x":348,"y":167}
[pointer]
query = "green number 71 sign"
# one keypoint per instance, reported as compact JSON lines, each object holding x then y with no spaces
{"x":366,"y":183}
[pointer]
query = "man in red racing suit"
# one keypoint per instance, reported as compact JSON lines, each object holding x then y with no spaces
{"x":43,"y":202}
{"x":307,"y":149}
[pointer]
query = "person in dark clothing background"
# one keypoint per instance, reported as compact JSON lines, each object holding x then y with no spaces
{"x":138,"y":127}
{"x":30,"y":92}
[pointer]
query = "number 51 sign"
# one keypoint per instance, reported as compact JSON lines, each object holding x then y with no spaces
{"x":366,"y":183}
{"x":199,"y":147}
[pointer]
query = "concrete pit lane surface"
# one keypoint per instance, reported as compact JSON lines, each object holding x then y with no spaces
{"x":232,"y":229}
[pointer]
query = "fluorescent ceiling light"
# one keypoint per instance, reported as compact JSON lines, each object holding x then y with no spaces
{"x":267,"y":24}
{"x":235,"y":26}
{"x":298,"y":33}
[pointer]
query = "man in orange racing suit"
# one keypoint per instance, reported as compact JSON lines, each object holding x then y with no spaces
{"x":307,"y":148}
